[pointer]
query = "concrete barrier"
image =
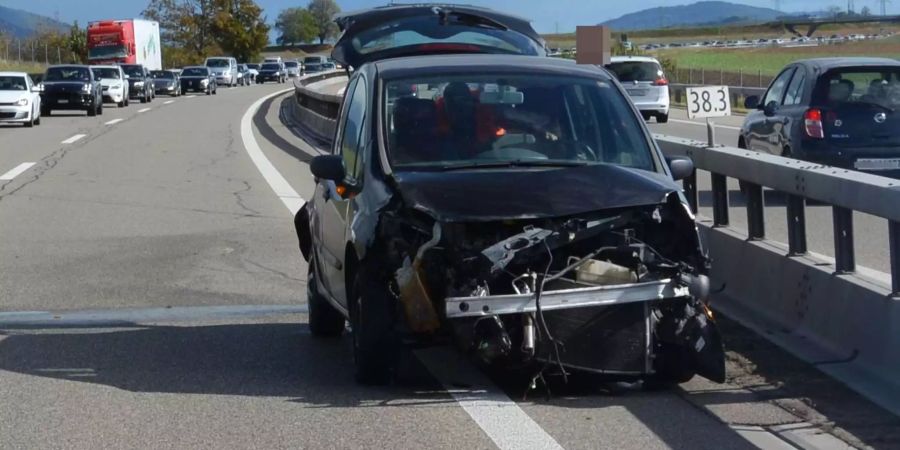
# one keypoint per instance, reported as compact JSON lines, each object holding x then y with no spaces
{"x":315,"y":111}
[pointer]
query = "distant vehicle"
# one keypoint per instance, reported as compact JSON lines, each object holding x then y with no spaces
{"x":646,"y":84}
{"x":271,"y":71}
{"x":19,"y":100}
{"x":140,"y":83}
{"x":252,"y":71}
{"x":224,"y":68}
{"x":71,"y":87}
{"x":198,"y":79}
{"x":131,"y":41}
{"x":314,"y":59}
{"x":841,"y":112}
{"x":244,"y":75}
{"x":292,"y":68}
{"x":313,"y":67}
{"x":273,"y":59}
{"x":329,"y":66}
{"x":115,"y":86}
{"x":166,"y":82}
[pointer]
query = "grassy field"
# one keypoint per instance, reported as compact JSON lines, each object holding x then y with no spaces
{"x":15,"y":66}
{"x":770,"y":60}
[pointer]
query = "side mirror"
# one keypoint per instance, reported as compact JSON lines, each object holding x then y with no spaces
{"x":328,"y":167}
{"x":769,"y":109}
{"x":680,"y":166}
{"x":751,"y":102}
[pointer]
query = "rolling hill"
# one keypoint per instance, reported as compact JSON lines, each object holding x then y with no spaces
{"x":22,"y":24}
{"x":695,"y":14}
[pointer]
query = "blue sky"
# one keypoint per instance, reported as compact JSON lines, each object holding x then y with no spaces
{"x":546,"y":15}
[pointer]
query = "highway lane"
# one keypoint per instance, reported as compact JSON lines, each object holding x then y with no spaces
{"x":871,"y":233}
{"x":177,"y":319}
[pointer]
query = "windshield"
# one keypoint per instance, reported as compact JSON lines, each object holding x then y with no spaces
{"x":108,"y":73}
{"x":457,"y":121}
{"x":859,"y":86}
{"x":164,"y":74}
{"x":13,"y":83}
{"x":292,"y":64}
{"x":107,"y":51}
{"x":312,"y":67}
{"x":462,"y":29}
{"x":253,"y":66}
{"x":133,"y":71}
{"x":272,"y":66}
{"x":195,"y":72}
{"x":630,"y":71}
{"x":312,"y":59}
{"x":67,"y":74}
{"x":218,"y":62}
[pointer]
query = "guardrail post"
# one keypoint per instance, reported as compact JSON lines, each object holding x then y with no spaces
{"x":796,"y":225}
{"x":756,"y":206}
{"x":894,"y":239}
{"x":845,"y":260}
{"x":720,"y":200}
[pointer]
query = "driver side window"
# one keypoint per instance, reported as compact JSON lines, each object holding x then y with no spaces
{"x":776,"y":91}
{"x":352,"y":132}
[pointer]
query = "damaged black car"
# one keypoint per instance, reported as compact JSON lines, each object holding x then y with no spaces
{"x":516,"y":205}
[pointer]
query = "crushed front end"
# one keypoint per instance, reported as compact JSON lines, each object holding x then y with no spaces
{"x":620,"y":291}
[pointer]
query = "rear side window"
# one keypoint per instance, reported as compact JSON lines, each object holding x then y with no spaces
{"x":630,"y":71}
{"x":795,"y":90}
{"x":776,"y":91}
{"x":874,"y":85}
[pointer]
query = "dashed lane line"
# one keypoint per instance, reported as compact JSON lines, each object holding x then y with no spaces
{"x":74,"y":139}
{"x":169,"y":102}
{"x":16,"y":171}
{"x":144,"y":110}
{"x":114,"y":121}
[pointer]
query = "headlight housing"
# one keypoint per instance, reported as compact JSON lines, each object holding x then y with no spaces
{"x":204,"y":81}
{"x":115,"y":87}
{"x":22,"y":102}
{"x":86,"y":88}
{"x":138,"y":84}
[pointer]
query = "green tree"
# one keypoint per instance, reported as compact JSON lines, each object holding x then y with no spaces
{"x":77,"y":43}
{"x":240,"y":28}
{"x":296,"y":25}
{"x":323,"y":11}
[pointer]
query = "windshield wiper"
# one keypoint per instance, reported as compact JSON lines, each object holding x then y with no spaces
{"x":519,"y":163}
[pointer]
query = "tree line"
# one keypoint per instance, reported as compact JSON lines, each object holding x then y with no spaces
{"x":298,"y":25}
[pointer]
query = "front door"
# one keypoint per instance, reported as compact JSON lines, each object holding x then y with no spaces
{"x":765,"y":127}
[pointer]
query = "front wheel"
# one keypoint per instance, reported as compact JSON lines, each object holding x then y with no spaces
{"x":662,"y":118}
{"x":92,"y":111}
{"x":375,"y":343}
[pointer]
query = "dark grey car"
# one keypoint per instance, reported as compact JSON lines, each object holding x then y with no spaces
{"x":198,"y":79}
{"x":511,"y":203}
{"x":166,"y":82}
{"x":71,"y":87}
{"x":835,"y":111}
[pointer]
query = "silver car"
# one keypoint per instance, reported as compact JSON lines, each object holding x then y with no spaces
{"x":646,"y":84}
{"x":225,"y":70}
{"x":292,"y":68}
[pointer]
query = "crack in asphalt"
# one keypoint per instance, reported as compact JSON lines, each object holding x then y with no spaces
{"x":241,"y":202}
{"x":271,"y":270}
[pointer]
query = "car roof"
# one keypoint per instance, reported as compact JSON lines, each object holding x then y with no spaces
{"x":437,"y":64}
{"x":104,"y":66}
{"x":615,"y":59}
{"x":849,"y":61}
{"x":13,"y":74}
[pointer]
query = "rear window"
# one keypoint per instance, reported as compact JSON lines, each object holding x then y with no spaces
{"x":862,"y":85}
{"x":218,"y":62}
{"x":424,"y":30}
{"x":442,"y":121}
{"x":290,"y":64}
{"x":630,"y":71}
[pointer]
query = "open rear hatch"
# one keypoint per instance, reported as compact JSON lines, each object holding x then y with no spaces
{"x":406,"y":30}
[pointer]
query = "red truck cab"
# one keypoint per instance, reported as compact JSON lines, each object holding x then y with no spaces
{"x":111,"y":42}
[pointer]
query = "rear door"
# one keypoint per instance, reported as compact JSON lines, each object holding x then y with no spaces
{"x":407,"y":30}
{"x":860,"y":114}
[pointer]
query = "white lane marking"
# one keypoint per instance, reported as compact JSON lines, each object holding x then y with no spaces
{"x":119,"y":316}
{"x":190,"y":96}
{"x":169,"y":102}
{"x":703,"y":124}
{"x":276,"y":181}
{"x":144,"y":110}
{"x":73,"y":138}
{"x":500,"y":418}
{"x":114,"y":121}
{"x":16,"y":171}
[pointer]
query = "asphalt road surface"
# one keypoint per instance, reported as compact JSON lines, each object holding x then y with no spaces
{"x":152,"y":295}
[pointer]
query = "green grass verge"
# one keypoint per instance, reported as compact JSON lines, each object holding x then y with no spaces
{"x":15,"y":66}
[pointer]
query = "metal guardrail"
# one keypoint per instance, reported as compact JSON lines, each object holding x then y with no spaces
{"x":846,"y":190}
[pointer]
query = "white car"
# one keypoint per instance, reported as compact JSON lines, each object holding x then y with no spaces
{"x":115,"y":86}
{"x":646,"y":84}
{"x":19,"y":100}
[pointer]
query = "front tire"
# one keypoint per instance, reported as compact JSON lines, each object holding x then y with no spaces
{"x":375,"y":343}
{"x":92,"y":111}
{"x":121,"y":104}
{"x":324,"y":320}
{"x":30,"y":122}
{"x":662,"y":118}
